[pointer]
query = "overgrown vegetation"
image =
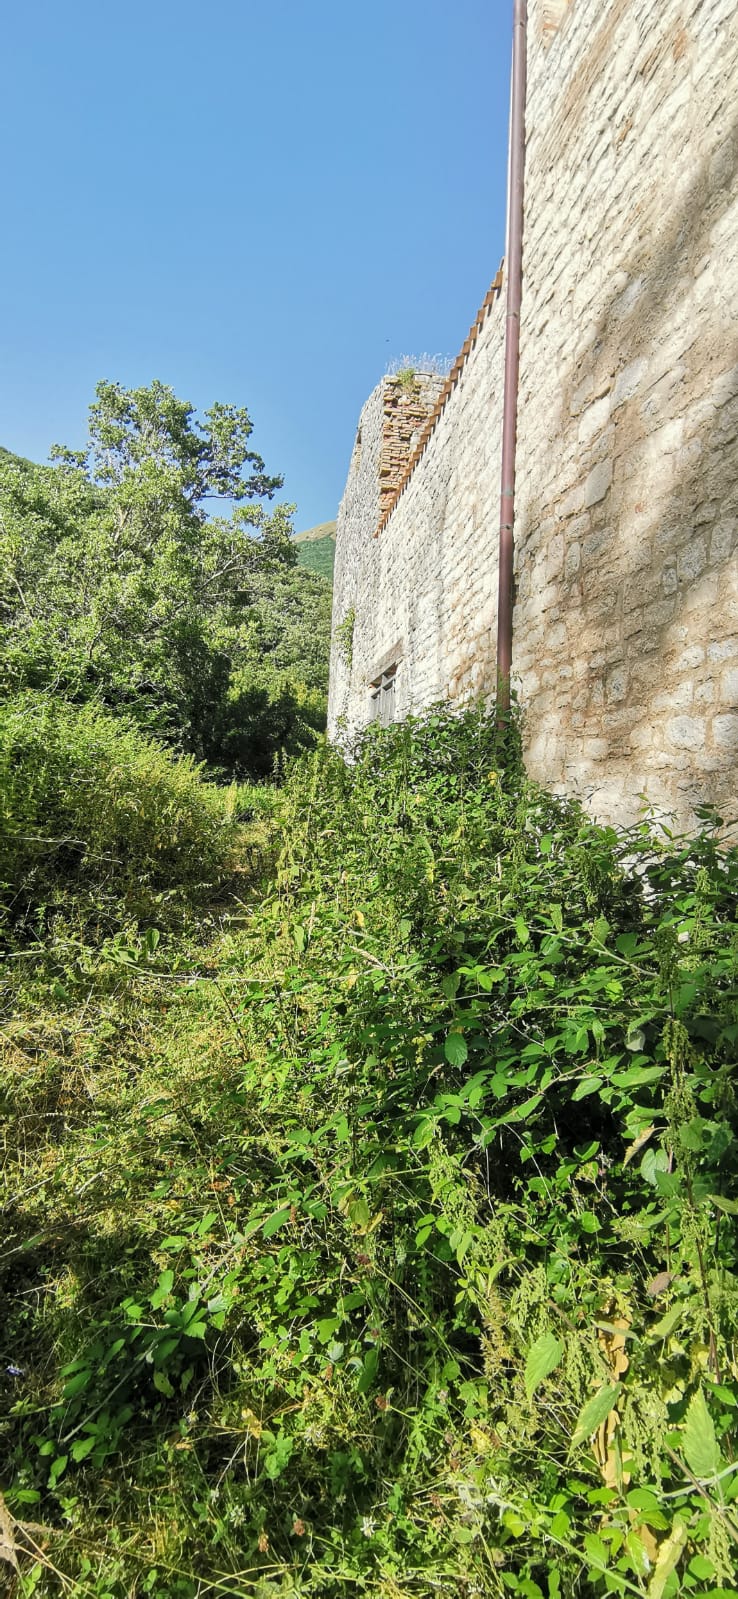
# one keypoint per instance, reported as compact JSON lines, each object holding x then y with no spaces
{"x":375,"y":1235}
{"x":344,"y":636}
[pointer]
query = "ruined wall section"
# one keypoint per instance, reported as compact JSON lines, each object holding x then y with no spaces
{"x":390,"y":425}
{"x":424,"y":589}
{"x":626,"y":620}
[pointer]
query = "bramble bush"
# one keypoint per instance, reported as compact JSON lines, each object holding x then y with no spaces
{"x":404,"y":1261}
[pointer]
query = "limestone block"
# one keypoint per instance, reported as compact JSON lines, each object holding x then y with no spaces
{"x":729,"y":687}
{"x":692,"y":560}
{"x":677,"y":698}
{"x":723,"y":649}
{"x":598,"y":483}
{"x":688,"y":732}
{"x":725,"y":733}
{"x":616,"y":686}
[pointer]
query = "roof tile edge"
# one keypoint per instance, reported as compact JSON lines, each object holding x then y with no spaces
{"x":490,"y":299}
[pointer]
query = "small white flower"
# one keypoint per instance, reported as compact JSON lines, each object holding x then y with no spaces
{"x":368,"y":1526}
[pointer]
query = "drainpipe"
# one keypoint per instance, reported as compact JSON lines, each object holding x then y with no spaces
{"x":514,"y":274}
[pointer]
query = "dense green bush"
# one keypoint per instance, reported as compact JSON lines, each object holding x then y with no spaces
{"x":92,"y":810}
{"x":403,"y":1262}
{"x":266,"y":717}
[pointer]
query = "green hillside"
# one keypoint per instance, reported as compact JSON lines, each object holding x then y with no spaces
{"x":317,"y":549}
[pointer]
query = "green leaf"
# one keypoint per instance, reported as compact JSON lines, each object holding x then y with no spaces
{"x":560,"y":1524}
{"x":644,"y":1500}
{"x":166,"y":1281}
{"x":489,"y":976}
{"x":327,"y":1326}
{"x":57,"y":1470}
{"x":595,"y":1550}
{"x":277,"y":1220}
{"x":164,"y":1349}
{"x":701,"y":1568}
{"x":692,"y":1135}
{"x":521,"y":928}
{"x":636,"y":1076}
{"x":588,"y":1085}
{"x":730,"y":1206}
{"x":654,"y":1161}
{"x":76,"y":1384}
{"x":368,"y":1371}
{"x":83,"y":1447}
{"x":662,"y":1328}
{"x":358,"y":1213}
{"x":596,"y":1410}
{"x":455,"y":1049}
{"x":543,"y":1358}
{"x":698,"y":1439}
{"x":588,"y":1222}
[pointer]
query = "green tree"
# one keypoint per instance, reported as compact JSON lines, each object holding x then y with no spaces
{"x":130,"y":571}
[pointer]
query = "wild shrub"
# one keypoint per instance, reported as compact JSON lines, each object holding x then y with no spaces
{"x":92,"y":811}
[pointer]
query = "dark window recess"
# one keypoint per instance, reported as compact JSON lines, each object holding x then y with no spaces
{"x":382,"y":698}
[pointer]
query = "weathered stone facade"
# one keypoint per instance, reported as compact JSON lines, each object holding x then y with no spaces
{"x":626,"y":612}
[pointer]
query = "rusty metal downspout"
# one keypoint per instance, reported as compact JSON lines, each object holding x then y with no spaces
{"x":514,"y":263}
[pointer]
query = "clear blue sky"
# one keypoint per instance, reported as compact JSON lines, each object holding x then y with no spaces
{"x":257,"y":201}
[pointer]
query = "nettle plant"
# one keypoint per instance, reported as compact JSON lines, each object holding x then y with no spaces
{"x":430,"y":1277}
{"x":532,"y":1025}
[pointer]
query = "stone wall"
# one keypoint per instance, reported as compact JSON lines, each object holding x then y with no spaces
{"x":421,"y":587}
{"x":626,"y":622}
{"x":626,"y":614}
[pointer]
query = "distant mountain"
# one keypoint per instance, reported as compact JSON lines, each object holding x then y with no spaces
{"x":316,"y":549}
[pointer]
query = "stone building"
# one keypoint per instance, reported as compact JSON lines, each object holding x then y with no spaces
{"x":626,"y":592}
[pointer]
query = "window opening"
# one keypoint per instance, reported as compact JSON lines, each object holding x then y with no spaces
{"x":382,"y":697}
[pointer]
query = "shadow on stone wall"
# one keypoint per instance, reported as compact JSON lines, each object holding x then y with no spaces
{"x":648,"y":595}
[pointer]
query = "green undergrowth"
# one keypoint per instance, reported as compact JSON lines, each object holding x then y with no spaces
{"x":97,"y":818}
{"x":380,"y":1236}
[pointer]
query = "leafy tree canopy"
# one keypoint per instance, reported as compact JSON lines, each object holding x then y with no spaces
{"x":135,"y":571}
